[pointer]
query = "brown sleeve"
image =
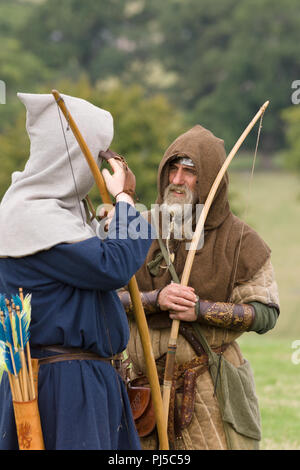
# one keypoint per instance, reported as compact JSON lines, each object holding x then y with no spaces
{"x":149,"y":301}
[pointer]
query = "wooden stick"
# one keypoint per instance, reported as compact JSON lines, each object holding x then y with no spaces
{"x":25,"y":378}
{"x":21,"y":374}
{"x":32,"y":389}
{"x":15,"y":377}
{"x":10,"y":314}
{"x":12,"y":388}
{"x":172,"y":345}
{"x":150,"y":363}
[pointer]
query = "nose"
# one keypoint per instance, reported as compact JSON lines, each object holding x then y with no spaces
{"x":178,"y":177}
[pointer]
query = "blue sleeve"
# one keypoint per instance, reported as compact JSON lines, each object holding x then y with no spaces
{"x":104,"y":265}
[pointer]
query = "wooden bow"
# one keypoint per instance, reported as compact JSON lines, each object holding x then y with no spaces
{"x":140,"y":317}
{"x":172,"y":345}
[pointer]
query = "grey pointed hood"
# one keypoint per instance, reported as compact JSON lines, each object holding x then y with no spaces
{"x":41,"y":209}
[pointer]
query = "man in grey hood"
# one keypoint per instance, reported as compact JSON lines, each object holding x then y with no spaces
{"x":48,"y":247}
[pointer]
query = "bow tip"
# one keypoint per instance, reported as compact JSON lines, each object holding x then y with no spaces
{"x":265,"y":105}
{"x":55,"y":93}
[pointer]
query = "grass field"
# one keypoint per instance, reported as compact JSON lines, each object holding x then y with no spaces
{"x":274,"y":211}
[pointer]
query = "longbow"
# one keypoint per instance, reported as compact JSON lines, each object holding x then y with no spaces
{"x":172,"y":344}
{"x":139,"y":313}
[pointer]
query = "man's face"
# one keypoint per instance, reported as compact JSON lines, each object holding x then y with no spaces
{"x":182,"y":184}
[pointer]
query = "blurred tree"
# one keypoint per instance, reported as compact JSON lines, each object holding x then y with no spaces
{"x":291,"y":118}
{"x":74,"y":36}
{"x":217,"y":61}
{"x":14,"y":145}
{"x":230,"y":57}
{"x":20,"y":69}
{"x":143,"y":129}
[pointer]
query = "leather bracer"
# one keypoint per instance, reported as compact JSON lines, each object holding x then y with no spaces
{"x":149,"y":301}
{"x":238,"y":317}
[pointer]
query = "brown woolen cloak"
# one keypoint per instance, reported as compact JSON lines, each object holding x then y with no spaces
{"x":232,"y":252}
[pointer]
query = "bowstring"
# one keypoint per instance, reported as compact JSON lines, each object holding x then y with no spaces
{"x":70,"y":162}
{"x":248,"y":199}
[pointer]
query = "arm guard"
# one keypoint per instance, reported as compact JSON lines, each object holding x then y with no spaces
{"x":238,"y":317}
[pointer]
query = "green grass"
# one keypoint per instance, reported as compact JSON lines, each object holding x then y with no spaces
{"x":277,"y":387}
{"x":274,"y":211}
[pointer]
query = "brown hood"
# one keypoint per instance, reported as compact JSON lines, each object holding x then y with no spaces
{"x":232,"y":252}
{"x":208,"y":154}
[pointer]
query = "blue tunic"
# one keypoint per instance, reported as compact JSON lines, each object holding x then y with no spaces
{"x":83,"y":404}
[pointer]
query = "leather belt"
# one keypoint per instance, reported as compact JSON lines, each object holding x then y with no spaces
{"x":72,"y":354}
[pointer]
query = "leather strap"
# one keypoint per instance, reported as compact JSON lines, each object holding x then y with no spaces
{"x":73,"y":354}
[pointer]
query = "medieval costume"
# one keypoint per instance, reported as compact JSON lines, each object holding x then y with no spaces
{"x":213,"y":403}
{"x":78,"y":325}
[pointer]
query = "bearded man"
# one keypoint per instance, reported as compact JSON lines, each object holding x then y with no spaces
{"x":232,"y":289}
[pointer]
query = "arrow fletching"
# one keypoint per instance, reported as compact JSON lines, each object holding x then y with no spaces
{"x":12,"y":360}
{"x":17,"y":302}
{"x":27,"y":307}
{"x":3,"y":367}
{"x":9,"y":334}
{"x":2,"y":303}
{"x":22,"y":330}
{"x":2,"y":332}
{"x":15,"y":316}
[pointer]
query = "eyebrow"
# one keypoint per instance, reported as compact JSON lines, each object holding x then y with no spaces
{"x":185,"y":167}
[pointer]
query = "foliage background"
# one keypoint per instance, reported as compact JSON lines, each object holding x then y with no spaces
{"x":161,"y":67}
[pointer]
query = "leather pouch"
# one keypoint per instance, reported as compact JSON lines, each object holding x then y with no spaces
{"x":141,"y":406}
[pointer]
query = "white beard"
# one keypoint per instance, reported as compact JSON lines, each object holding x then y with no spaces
{"x":177,"y":212}
{"x":169,"y":198}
